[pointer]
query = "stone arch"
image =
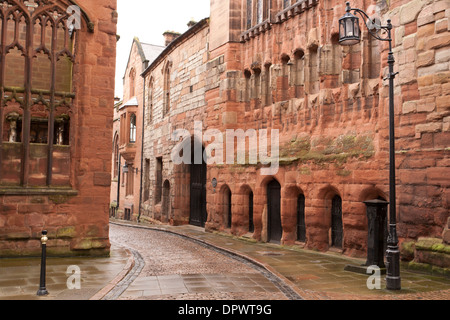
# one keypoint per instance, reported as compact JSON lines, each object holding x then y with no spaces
{"x":331,"y":201}
{"x":372,"y":193}
{"x":292,"y":197}
{"x":225,"y":207}
{"x":273,"y":225}
{"x":243,"y":211}
{"x":189,"y":196}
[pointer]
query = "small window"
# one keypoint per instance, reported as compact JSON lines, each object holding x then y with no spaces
{"x":133,"y":128}
{"x":249,"y":14}
{"x":167,"y":84}
{"x":159,"y":176}
{"x":150,"y":101}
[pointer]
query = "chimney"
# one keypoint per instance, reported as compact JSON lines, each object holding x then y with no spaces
{"x":169,"y":36}
{"x":191,"y":23}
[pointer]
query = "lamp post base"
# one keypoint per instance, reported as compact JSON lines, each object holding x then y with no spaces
{"x":42,"y":292}
{"x":393,"y":280}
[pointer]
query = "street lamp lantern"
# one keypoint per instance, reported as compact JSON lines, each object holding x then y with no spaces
{"x":125,"y":168}
{"x":350,"y":34}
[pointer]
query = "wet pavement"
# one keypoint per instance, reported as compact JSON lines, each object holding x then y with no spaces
{"x":20,"y":278}
{"x":314,"y":275}
{"x":174,"y":268}
{"x":206,"y":266}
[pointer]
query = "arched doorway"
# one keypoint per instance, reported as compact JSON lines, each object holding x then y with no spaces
{"x":275,"y":230}
{"x":251,"y":225}
{"x":166,"y":209}
{"x":198,"y":215}
{"x":227,"y":205}
{"x":336,"y":222}
{"x":301,"y":224}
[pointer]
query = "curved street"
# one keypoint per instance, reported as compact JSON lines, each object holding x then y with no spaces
{"x":171,"y":267}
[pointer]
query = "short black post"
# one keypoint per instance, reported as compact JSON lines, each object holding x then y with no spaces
{"x":377,"y":232}
{"x":42,"y":289}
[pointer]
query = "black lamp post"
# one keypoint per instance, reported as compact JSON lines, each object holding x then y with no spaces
{"x":350,"y":34}
{"x":42,"y":288}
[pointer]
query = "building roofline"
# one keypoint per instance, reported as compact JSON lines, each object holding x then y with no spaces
{"x":140,"y":50}
{"x":189,"y":33}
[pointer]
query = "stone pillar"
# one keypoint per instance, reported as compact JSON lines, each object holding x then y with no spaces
{"x":377,"y":220}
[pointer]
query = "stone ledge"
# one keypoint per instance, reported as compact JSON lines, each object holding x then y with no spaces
{"x":17,"y":191}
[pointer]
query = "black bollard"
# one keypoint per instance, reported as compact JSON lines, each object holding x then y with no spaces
{"x":42,"y":289}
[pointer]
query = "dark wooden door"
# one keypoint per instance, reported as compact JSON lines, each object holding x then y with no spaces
{"x":275,"y":230}
{"x":301,"y":225}
{"x":198,"y":214}
{"x":228,"y":204}
{"x":336,"y":222}
{"x":251,"y":225}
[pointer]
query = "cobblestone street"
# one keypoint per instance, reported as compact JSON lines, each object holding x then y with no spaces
{"x":172,"y":267}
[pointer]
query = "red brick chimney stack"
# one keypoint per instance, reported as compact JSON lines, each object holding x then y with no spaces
{"x":169,"y":36}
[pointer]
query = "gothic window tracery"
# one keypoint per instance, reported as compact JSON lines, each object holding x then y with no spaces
{"x":167,"y":84}
{"x":37,"y":54}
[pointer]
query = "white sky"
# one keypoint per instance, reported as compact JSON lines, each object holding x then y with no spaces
{"x":148,"y":20}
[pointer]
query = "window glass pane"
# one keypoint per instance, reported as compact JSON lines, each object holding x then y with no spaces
{"x":133,"y":128}
{"x":249,"y":14}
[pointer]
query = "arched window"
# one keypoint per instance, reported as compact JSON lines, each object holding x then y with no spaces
{"x":259,"y":11}
{"x":267,"y":86}
{"x":166,"y":107}
{"x":133,"y":128}
{"x":313,"y":70}
{"x":249,"y":14}
{"x":257,"y":88}
{"x":150,"y":101}
{"x":132,"y":80}
{"x":285,"y":61}
{"x":37,"y":59}
{"x":298,"y":72}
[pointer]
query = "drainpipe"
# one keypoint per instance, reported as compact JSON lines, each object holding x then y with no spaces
{"x":142,"y":151}
{"x":118,"y":183}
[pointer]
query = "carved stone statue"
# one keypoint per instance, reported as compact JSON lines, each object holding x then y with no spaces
{"x":13,"y":131}
{"x":60,"y":137}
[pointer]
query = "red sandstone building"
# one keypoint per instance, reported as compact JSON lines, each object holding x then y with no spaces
{"x":278,"y":65}
{"x":57,"y":83}
{"x":127,"y":139}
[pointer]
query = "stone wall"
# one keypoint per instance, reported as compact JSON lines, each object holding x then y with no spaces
{"x":74,"y":208}
{"x":330,"y":105}
{"x":190,"y":76}
{"x":334,"y":125}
